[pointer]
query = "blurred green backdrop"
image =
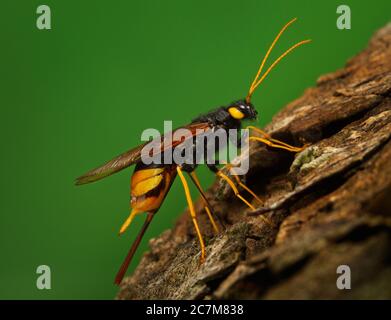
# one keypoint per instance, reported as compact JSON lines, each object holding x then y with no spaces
{"x":77,"y":95}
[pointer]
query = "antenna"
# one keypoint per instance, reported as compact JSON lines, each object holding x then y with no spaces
{"x":258,"y":80}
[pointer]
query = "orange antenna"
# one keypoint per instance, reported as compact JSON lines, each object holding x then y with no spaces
{"x":257,"y":81}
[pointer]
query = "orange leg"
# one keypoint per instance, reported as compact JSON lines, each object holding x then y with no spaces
{"x":240,"y":183}
{"x":268,"y":140}
{"x":237,"y":194}
{"x":207,"y":207}
{"x":192,"y":212}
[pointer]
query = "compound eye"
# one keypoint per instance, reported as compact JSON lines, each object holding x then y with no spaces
{"x":236,"y":113}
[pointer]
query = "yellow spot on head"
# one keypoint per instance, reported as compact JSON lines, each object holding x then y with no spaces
{"x":236,"y":113}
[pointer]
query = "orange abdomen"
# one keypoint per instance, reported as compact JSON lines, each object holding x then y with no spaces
{"x":149,"y":187}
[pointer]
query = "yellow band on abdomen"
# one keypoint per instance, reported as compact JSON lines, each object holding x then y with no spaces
{"x":145,"y":180}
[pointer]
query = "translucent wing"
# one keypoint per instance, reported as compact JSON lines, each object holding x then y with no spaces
{"x":133,"y":156}
{"x":120,"y":162}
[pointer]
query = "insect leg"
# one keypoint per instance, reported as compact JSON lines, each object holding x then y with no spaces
{"x":268,"y":137}
{"x":220,"y":174}
{"x":240,"y":183}
{"x":192,"y":212}
{"x":208,"y":207}
{"x":234,"y":189}
{"x":274,"y":142}
{"x":270,"y":143}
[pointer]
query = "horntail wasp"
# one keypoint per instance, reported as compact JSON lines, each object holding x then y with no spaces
{"x":151,"y":183}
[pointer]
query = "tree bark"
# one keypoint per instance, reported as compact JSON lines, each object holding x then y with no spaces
{"x":330,"y":205}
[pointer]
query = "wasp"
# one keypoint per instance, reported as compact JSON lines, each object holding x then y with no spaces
{"x":150,"y":183}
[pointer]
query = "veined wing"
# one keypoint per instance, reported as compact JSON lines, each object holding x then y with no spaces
{"x":133,"y":156}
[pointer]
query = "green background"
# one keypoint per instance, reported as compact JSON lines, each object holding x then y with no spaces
{"x":77,"y":95}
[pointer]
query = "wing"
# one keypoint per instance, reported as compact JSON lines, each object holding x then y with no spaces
{"x":133,"y":156}
{"x":120,"y":162}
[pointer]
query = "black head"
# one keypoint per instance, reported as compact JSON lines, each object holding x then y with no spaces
{"x":242,"y":110}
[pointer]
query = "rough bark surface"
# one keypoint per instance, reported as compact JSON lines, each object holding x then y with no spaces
{"x":330,"y":204}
